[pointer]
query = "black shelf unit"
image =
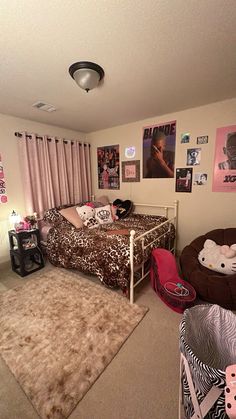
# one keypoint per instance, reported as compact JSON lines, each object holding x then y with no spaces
{"x":25,"y":251}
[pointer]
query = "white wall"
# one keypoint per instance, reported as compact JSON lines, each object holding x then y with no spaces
{"x":199,"y":211}
{"x":8,"y":150}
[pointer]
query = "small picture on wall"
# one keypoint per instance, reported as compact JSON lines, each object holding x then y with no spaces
{"x":130,"y":152}
{"x":184,"y":179}
{"x":202,"y":140}
{"x":200,"y":179}
{"x":131,"y":171}
{"x":193,"y":156}
{"x":185,"y":137}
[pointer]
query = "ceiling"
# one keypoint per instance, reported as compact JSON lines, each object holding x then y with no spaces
{"x":159,"y":56}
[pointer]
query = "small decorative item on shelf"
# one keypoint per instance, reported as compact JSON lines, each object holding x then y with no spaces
{"x":14,"y":219}
{"x":20,"y":226}
{"x":31,"y":221}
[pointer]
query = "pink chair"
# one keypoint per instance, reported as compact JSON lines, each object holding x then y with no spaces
{"x":165,"y":280}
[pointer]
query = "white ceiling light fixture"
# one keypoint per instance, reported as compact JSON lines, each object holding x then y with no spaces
{"x":86,"y":74}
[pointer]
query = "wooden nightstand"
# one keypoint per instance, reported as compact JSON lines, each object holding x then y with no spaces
{"x":25,"y":251}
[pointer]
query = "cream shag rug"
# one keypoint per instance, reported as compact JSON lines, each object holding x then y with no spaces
{"x":58,"y":333}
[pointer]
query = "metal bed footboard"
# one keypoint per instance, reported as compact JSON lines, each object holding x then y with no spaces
{"x":141,"y":237}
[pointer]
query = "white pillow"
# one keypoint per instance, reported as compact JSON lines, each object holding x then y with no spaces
{"x":218,"y":258}
{"x":103,"y":214}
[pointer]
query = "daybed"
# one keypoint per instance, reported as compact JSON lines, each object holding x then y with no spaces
{"x":104,"y":252}
{"x":210,"y":286}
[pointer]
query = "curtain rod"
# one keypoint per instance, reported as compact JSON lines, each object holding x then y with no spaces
{"x":19,"y":135}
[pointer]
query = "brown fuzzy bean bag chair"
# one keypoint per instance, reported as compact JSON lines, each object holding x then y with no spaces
{"x":210,"y":286}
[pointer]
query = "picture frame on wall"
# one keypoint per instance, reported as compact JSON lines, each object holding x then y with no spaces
{"x":185,"y":137}
{"x":203,"y":139}
{"x":200,"y":179}
{"x":184,"y":179}
{"x":108,"y":164}
{"x":193,"y":156}
{"x":131,"y":171}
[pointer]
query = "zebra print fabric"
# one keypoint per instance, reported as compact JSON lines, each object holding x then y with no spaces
{"x":208,"y":342}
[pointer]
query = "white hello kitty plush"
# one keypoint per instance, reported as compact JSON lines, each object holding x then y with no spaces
{"x":218,"y":258}
{"x":87,"y":215}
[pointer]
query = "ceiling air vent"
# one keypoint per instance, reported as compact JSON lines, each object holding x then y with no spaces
{"x":42,"y":106}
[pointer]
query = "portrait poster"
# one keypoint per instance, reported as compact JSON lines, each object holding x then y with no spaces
{"x":3,"y":193}
{"x":224,"y":171}
{"x":108,"y":167}
{"x":159,"y":150}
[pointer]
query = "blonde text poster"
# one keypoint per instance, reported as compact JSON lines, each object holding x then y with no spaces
{"x":159,"y":150}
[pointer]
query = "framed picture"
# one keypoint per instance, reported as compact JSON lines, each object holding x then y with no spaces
{"x":200,"y":179}
{"x":131,"y":171}
{"x":185,"y":137}
{"x":184,"y":179}
{"x":108,"y":164}
{"x":202,"y":140}
{"x":193,"y":156}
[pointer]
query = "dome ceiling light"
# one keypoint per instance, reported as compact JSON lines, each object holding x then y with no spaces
{"x":86,"y":74}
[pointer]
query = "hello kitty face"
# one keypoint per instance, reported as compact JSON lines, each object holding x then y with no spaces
{"x":85,"y":212}
{"x":218,"y":258}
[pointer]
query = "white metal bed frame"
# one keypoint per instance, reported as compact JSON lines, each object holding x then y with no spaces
{"x":132,"y":239}
{"x":173,"y":220}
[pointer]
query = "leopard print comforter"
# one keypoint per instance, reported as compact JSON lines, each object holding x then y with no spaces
{"x":96,"y":251}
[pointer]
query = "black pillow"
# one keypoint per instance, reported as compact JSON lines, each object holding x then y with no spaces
{"x":124,"y":208}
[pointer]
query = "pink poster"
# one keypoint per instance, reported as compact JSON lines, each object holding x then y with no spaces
{"x":224,"y":176}
{"x":3,"y":195}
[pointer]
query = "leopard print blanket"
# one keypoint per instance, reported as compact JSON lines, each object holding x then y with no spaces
{"x":96,"y":251}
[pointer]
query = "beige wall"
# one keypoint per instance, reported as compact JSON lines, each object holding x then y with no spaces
{"x":199,"y":211}
{"x":15,"y":187}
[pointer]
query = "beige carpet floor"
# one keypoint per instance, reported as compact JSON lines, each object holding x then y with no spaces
{"x":58,"y":333}
{"x":141,"y":382}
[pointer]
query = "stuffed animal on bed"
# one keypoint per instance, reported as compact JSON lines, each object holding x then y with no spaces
{"x":218,"y":258}
{"x":123,"y":208}
{"x":87,"y":215}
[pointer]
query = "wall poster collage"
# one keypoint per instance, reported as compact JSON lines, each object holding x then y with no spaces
{"x":3,"y":193}
{"x":185,"y":177}
{"x":158,"y":142}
